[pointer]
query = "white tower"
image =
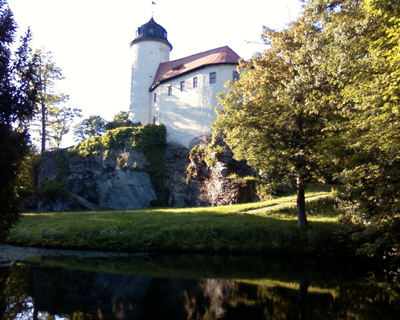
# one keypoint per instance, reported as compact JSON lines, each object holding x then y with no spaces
{"x":149,"y":49}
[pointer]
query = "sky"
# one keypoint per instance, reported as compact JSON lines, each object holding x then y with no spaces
{"x":89,"y":39}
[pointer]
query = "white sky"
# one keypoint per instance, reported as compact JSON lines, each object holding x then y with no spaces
{"x":89,"y":39}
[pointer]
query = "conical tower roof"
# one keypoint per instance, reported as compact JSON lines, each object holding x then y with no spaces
{"x":151,"y":31}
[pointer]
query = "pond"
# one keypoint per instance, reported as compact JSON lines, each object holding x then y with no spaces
{"x":50,"y":285}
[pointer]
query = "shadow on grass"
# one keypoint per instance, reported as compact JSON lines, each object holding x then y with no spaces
{"x":203,"y":230}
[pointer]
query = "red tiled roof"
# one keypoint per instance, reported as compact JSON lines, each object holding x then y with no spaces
{"x":172,"y":69}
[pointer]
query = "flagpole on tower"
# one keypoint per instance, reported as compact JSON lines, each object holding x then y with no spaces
{"x":152,"y":11}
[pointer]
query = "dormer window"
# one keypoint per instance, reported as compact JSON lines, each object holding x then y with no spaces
{"x":176,"y":68}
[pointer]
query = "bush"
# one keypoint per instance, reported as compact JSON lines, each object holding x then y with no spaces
{"x":51,"y":189}
{"x":142,"y":139}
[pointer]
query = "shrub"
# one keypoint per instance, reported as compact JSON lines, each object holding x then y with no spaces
{"x":51,"y":189}
{"x":142,"y":139}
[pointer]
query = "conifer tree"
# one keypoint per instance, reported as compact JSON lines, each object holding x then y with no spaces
{"x":50,"y":109}
{"x":18,"y":98}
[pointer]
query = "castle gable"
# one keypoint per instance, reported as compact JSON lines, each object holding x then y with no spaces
{"x":172,"y":69}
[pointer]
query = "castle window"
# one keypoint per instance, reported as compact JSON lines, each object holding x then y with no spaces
{"x":151,"y":30}
{"x":155,"y":97}
{"x":170,"y":90}
{"x":195,"y":82}
{"x":235,"y":76}
{"x":182,"y":85}
{"x":213,"y":77}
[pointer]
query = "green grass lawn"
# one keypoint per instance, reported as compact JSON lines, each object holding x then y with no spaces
{"x":225,"y":229}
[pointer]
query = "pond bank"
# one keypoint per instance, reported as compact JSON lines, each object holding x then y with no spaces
{"x":9,"y":253}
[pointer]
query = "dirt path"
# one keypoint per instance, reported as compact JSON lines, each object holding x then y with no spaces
{"x":273,"y":206}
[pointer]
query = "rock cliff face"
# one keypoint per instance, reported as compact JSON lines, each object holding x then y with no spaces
{"x":221,"y":183}
{"x":121,"y":179}
{"x":114,"y":179}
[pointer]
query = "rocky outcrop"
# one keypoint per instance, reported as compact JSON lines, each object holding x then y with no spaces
{"x":121,"y":179}
{"x":175,"y":175}
{"x":114,"y":179}
{"x":220,"y":183}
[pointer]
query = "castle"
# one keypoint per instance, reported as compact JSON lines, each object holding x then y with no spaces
{"x":179,"y":94}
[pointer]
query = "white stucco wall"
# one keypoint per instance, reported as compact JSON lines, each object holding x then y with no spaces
{"x":188,"y":114}
{"x":146,"y":57}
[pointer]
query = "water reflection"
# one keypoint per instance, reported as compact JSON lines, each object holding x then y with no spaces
{"x":151,"y":288}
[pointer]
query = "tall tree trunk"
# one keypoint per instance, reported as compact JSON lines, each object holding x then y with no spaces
{"x":43,"y":128}
{"x":301,"y":203}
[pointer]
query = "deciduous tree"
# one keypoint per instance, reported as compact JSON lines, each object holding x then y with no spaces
{"x":271,"y":117}
{"x":89,"y":127}
{"x":60,"y":119}
{"x":121,"y":119}
{"x":371,"y":172}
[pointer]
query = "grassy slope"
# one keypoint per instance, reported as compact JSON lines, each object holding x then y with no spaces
{"x":223,"y":229}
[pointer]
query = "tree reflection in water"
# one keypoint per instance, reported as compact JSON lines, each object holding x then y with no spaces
{"x":34,"y":291}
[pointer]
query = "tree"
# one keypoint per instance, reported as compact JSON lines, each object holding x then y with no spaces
{"x":18,"y":98}
{"x":48,"y":108}
{"x":354,"y":50}
{"x":272,"y":118}
{"x":59,"y":123}
{"x":371,"y":133}
{"x":121,"y":119}
{"x":89,"y":127}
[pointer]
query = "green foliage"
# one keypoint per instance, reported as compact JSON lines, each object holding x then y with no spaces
{"x":90,"y":127}
{"x":28,"y":173}
{"x":59,"y":124}
{"x":274,"y":117}
{"x":142,"y":139}
{"x":117,"y":138}
{"x":149,"y":137}
{"x":361,"y":45}
{"x":210,"y":152}
{"x":52,"y":189}
{"x":265,"y":190}
{"x":56,"y":188}
{"x":121,"y":119}
{"x":61,"y":160}
{"x":91,"y":146}
{"x":51,"y":120}
{"x":18,"y":98}
{"x":322,"y":103}
{"x":14,"y":148}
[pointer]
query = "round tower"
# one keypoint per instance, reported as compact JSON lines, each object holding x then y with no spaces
{"x":150,"y":48}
